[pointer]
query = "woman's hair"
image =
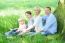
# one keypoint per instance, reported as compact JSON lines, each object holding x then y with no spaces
{"x":28,"y":12}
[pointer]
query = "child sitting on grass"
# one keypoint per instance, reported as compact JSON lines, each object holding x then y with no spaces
{"x":22,"y":27}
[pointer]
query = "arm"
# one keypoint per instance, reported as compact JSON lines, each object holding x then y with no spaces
{"x":31,"y":27}
{"x":51,"y":21}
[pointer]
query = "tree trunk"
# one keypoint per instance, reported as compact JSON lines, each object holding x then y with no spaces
{"x":60,"y":15}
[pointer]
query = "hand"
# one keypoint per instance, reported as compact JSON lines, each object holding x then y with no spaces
{"x":39,"y":30}
{"x":17,"y":30}
{"x":25,"y":30}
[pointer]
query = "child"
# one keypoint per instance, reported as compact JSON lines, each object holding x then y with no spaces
{"x":22,"y":27}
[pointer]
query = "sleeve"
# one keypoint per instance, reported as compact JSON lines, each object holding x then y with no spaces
{"x":37,"y":22}
{"x":49,"y":23}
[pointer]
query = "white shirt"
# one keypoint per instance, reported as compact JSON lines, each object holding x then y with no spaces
{"x":37,"y":23}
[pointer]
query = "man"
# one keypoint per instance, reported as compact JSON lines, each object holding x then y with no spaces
{"x":50,"y":26}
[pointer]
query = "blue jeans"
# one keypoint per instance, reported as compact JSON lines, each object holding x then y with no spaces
{"x":46,"y":33}
{"x":43,"y":33}
{"x":34,"y":33}
{"x":12,"y":32}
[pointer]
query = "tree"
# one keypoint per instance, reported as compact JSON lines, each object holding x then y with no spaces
{"x":60,"y":14}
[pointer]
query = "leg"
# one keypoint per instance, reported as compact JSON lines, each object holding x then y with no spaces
{"x":46,"y":33}
{"x":31,"y":33}
{"x":10,"y":33}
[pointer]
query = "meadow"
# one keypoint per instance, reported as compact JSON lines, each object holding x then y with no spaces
{"x":11,"y":10}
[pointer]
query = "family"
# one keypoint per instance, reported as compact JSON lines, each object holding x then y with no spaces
{"x":45,"y":25}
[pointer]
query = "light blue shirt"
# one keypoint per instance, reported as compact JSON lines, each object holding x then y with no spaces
{"x":51,"y":24}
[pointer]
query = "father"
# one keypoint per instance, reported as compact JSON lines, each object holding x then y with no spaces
{"x":50,"y":26}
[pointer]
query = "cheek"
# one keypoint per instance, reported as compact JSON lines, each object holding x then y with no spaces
{"x":27,"y":16}
{"x":46,"y":11}
{"x":35,"y":11}
{"x":20,"y":23}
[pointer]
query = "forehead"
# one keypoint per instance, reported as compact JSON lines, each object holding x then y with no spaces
{"x":27,"y":14}
{"x":37,"y":8}
{"x":46,"y":8}
{"x":21,"y":21}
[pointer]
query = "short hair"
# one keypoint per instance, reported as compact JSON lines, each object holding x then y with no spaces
{"x":49,"y":8}
{"x":28,"y":12}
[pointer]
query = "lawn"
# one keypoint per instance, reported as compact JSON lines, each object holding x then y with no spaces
{"x":11,"y":10}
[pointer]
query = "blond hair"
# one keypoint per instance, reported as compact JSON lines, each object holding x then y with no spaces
{"x":21,"y":19}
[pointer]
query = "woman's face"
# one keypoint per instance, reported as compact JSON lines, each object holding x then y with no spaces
{"x":28,"y":16}
{"x":36,"y":11}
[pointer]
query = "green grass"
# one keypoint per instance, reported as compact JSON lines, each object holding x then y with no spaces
{"x":29,"y":39}
{"x":8,"y":22}
{"x":11,"y":10}
{"x":12,"y":22}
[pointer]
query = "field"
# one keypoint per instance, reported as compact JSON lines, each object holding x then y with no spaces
{"x":11,"y":10}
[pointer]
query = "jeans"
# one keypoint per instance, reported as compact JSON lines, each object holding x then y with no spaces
{"x":11,"y":33}
{"x":46,"y":33}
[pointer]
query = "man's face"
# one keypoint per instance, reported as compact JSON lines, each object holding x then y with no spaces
{"x":28,"y":16}
{"x":47,"y":11}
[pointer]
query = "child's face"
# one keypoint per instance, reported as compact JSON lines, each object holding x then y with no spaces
{"x":22,"y":22}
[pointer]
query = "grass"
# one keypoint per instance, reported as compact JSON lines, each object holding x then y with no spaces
{"x":12,"y":22}
{"x":8,"y":22}
{"x":29,"y":39}
{"x":9,"y":19}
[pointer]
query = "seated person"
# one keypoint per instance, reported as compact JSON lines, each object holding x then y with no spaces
{"x":30,"y":20}
{"x":22,"y":27}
